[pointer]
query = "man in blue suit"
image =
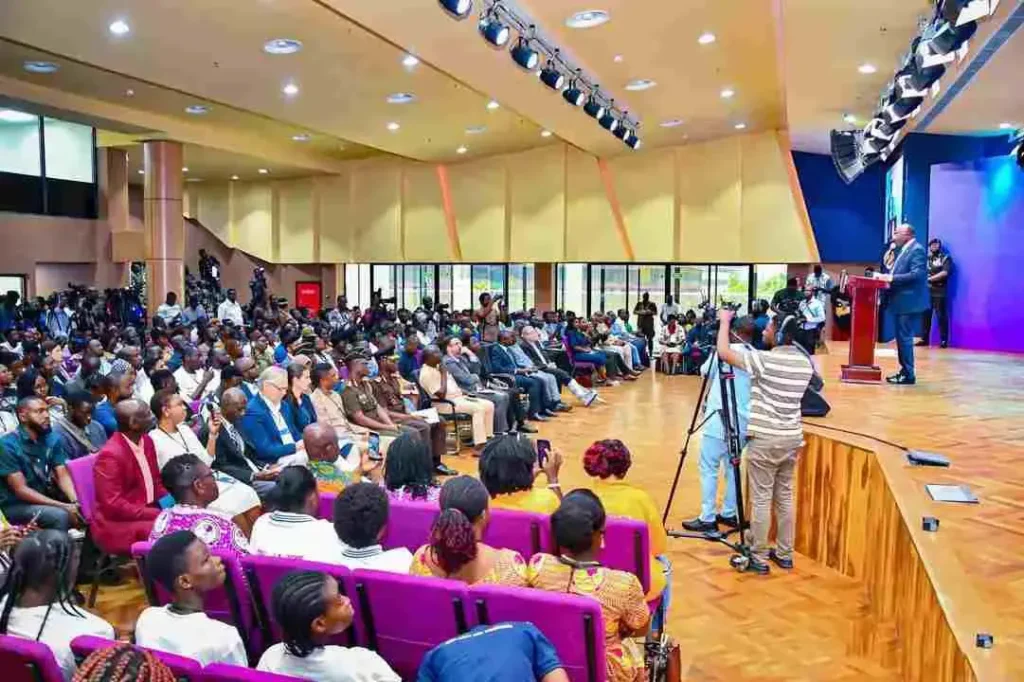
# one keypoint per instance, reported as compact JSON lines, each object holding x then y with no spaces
{"x":908,"y":298}
{"x":265,"y":425}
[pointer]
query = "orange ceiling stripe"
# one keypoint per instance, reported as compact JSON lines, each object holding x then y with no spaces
{"x":451,"y":224}
{"x":613,"y":203}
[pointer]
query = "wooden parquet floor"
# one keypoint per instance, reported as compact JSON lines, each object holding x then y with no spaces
{"x":801,"y":625}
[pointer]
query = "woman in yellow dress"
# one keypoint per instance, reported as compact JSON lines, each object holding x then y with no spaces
{"x":578,"y":526}
{"x":455,"y":551}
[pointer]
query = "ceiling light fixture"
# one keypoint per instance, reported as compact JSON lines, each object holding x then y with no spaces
{"x":129,"y":93}
{"x":671,"y":123}
{"x":476,"y":130}
{"x":33,"y":66}
{"x":13,"y":116}
{"x":302,"y":137}
{"x":593,"y":108}
{"x":850,"y":118}
{"x":492,"y":105}
{"x":290,"y":89}
{"x":234,"y":177}
{"x":551,"y":76}
{"x":282,"y":46}
{"x":119,"y":27}
{"x":1006,"y":126}
{"x":193,"y":179}
{"x":142,"y":172}
{"x":263,"y":171}
{"x":184,"y":169}
{"x":393,"y":126}
{"x":740,"y":126}
{"x":410,"y":61}
{"x":632,"y":140}
{"x":727,"y":93}
{"x":458,"y":9}
{"x":462,"y":150}
{"x":493,"y":29}
{"x":573,"y":95}
{"x":545,"y":133}
{"x":588,"y":19}
{"x":867,"y":69}
{"x":618,"y":59}
{"x":401,"y":98}
{"x":197,"y":109}
{"x":640,"y":84}
{"x":609,"y":122}
{"x":706,"y":38}
{"x":525,"y":56}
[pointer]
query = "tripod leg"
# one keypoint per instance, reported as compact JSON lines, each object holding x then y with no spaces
{"x":682,"y":453}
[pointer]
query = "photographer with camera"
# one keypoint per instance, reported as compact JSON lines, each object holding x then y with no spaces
{"x":487,"y":314}
{"x":778,"y":379}
{"x":812,"y":312}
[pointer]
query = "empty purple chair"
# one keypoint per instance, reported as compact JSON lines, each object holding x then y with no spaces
{"x":232,"y":604}
{"x":404,"y":617}
{"x":81,"y":472}
{"x":526,"y":532}
{"x":187,"y":669}
{"x":627,"y":547}
{"x":23,"y":660}
{"x":573,"y":624}
{"x":221,"y":672}
{"x":264,"y":572}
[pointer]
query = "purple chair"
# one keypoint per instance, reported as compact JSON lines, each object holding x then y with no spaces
{"x":82,"y":478}
{"x":409,"y":521}
{"x":221,"y":672}
{"x":404,"y":617}
{"x":573,"y":624}
{"x":525,"y":532}
{"x":232,"y":604}
{"x":264,"y":572}
{"x":584,"y":369}
{"x":184,"y":669}
{"x":23,"y":660}
{"x":627,"y":547}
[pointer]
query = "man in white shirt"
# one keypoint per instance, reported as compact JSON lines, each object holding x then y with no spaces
{"x":820,"y":282}
{"x":293,"y":529}
{"x":231,"y":310}
{"x":361,"y":519}
{"x":194,"y":382}
{"x":668,"y":309}
{"x":181,"y":563}
{"x":813,"y":312}
{"x":169,"y":310}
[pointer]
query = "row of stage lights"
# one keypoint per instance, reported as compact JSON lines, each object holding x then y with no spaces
{"x":942,"y":40}
{"x":496,"y":25}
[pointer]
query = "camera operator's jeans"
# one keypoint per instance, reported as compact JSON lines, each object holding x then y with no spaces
{"x":771,"y":462}
{"x":659,"y":616}
{"x":714,"y":452}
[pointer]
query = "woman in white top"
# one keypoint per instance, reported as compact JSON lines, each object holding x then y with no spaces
{"x":36,"y":601}
{"x":173,"y":437}
{"x":292,"y":529}
{"x":310,"y":611}
{"x":673,"y":337}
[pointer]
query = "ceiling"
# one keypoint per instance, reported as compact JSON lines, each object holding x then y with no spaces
{"x":791,"y":64}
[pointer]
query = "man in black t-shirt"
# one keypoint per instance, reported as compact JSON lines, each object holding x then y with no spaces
{"x":940,"y":265}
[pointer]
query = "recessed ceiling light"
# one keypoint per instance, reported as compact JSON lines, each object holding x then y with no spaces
{"x":461,"y":150}
{"x":587,"y":19}
{"x":184,"y":169}
{"x":545,"y":133}
{"x":142,"y":172}
{"x":12,"y":116}
{"x":193,"y":179}
{"x":867,"y":68}
{"x":492,"y":105}
{"x":197,"y":109}
{"x":120,"y":27}
{"x":302,"y":137}
{"x":393,"y":126}
{"x":410,"y":61}
{"x":671,"y":123}
{"x":282,"y":46}
{"x":617,"y":59}
{"x":740,"y":126}
{"x":1006,"y":126}
{"x":263,"y":171}
{"x":129,"y":93}
{"x":640,"y":84}
{"x":706,"y":38}
{"x":476,"y":130}
{"x":727,"y":93}
{"x":234,"y":177}
{"x":850,"y":118}
{"x":401,"y":98}
{"x":290,"y":89}
{"x":39,"y":67}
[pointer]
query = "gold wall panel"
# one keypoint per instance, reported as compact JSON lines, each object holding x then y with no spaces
{"x":211,"y":205}
{"x":252,"y":211}
{"x":423,"y":221}
{"x":590,"y":232}
{"x":710,"y":199}
{"x":333,"y":193}
{"x":645,"y":186}
{"x":376,"y":212}
{"x":297,"y":220}
{"x":479,"y":198}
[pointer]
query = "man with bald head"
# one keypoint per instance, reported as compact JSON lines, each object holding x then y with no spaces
{"x":233,"y":455}
{"x":128,"y":487}
{"x":908,"y":298}
{"x":335,"y":464}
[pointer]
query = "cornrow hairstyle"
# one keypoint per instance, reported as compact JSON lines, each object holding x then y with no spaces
{"x":452,"y":540}
{"x":123,"y":663}
{"x":167,"y":561}
{"x":298,"y":600}
{"x":179,"y":474}
{"x":40,"y":558}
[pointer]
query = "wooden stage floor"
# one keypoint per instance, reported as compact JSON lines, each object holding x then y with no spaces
{"x":809,"y":624}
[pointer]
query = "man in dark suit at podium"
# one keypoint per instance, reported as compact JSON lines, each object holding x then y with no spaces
{"x":908,"y":298}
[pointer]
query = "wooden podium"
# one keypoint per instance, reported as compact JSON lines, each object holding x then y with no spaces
{"x":863,"y":331}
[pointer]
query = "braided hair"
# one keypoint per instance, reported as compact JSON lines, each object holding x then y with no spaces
{"x":452,"y":541}
{"x":42,"y":558}
{"x":298,"y":600}
{"x":123,"y":663}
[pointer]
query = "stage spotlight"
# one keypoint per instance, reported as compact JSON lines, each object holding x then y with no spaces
{"x":593,"y":108}
{"x":552,"y":77}
{"x":621,"y":131}
{"x":1018,"y":154}
{"x":960,"y":12}
{"x":493,"y":31}
{"x":850,"y":155}
{"x":609,"y":122}
{"x":525,"y":56}
{"x":940,"y":43}
{"x":632,"y":140}
{"x":923,"y":78}
{"x":573,"y":95}
{"x":459,"y":9}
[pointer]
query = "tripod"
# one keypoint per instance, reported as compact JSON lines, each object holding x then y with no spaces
{"x":729,"y":414}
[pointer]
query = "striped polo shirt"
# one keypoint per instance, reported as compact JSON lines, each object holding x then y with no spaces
{"x":778,"y":380}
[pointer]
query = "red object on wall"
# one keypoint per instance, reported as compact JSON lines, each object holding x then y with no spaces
{"x":308,"y":295}
{"x":863,"y":331}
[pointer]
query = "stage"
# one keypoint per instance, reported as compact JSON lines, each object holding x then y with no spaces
{"x":872,"y":596}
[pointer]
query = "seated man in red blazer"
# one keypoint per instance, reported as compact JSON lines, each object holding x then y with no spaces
{"x":128,"y":486}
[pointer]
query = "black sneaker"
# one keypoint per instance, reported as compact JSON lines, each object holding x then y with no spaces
{"x":731,"y":521}
{"x":779,"y":561}
{"x":526,"y":428}
{"x":445,"y":470}
{"x":757,"y":566}
{"x":698,"y":526}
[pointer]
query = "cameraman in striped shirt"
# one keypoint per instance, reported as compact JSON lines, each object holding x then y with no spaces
{"x":778,"y":380}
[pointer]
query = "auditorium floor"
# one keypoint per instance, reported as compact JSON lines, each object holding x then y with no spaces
{"x":800,"y":625}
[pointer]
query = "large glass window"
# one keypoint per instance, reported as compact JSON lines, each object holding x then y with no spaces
{"x":68,"y":148}
{"x":646,"y":279}
{"x":417,"y":282}
{"x":607,"y":287}
{"x":520,"y":286}
{"x":731,"y":284}
{"x":489,"y":279}
{"x":690,"y":286}
{"x":768,"y":279}
{"x":357,"y":284}
{"x":571,"y":293}
{"x":384,"y":280}
{"x":19,"y":143}
{"x":462,"y":294}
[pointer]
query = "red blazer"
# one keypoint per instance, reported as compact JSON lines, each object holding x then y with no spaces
{"x":122,"y":516}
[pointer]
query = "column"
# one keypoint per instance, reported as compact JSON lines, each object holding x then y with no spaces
{"x":544,"y":286}
{"x":113,"y":244}
{"x":165,"y":227}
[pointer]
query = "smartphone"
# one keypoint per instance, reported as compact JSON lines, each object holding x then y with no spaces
{"x":543,"y":450}
{"x":373,"y":447}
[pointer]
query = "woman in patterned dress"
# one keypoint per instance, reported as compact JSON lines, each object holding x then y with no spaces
{"x":455,"y":550}
{"x":578,"y":526}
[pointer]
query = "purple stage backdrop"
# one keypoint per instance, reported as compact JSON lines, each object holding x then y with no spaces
{"x":977,"y":210}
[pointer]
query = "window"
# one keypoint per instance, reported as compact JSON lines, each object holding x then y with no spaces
{"x":646,"y":279}
{"x":690,"y":286}
{"x":489,"y":279}
{"x":462,"y":295}
{"x":520,"y":286}
{"x":768,"y":279}
{"x":570,"y":289}
{"x":384,"y":280}
{"x":19,"y":143}
{"x":417,"y":283}
{"x":69,"y":151}
{"x":357,"y":284}
{"x":732,"y":285}
{"x":15,"y":283}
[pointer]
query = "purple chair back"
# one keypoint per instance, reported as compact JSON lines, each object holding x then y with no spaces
{"x":404,"y":617}
{"x":186,"y":669}
{"x":578,"y":366}
{"x":627,"y":547}
{"x":264,"y":572}
{"x":80,"y":471}
{"x":409,"y":521}
{"x":231,"y":604}
{"x":572,"y":623}
{"x":23,"y":660}
{"x":525,"y":532}
{"x":221,"y":672}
